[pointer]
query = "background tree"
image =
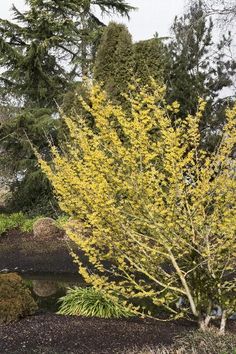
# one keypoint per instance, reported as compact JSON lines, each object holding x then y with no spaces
{"x":115,"y":60}
{"x":32,"y":82}
{"x":119,"y":60}
{"x":43,"y":52}
{"x":159,"y":211}
{"x":225,"y":10}
{"x":77,"y":28}
{"x":199,"y":68}
{"x":30,"y":190}
{"x":151,"y":59}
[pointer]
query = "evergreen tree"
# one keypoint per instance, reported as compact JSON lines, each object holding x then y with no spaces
{"x":42,"y":52}
{"x":199,"y":68}
{"x":151,"y":59}
{"x":114,"y":62}
{"x":30,"y":190}
{"x":47,"y":46}
{"x":78,"y":29}
{"x":118,"y":60}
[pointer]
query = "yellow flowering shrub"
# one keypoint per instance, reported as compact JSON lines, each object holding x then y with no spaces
{"x":160,"y":211}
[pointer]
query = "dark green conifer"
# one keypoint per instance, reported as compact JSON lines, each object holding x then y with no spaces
{"x":151,"y":60}
{"x":114,"y":63}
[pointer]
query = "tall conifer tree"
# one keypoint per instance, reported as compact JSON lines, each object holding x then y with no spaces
{"x":151,"y":58}
{"x":119,"y":60}
{"x":115,"y":60}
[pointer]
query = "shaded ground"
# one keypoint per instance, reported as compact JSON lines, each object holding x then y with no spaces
{"x":21,"y":252}
{"x":62,"y":334}
{"x":53,"y":334}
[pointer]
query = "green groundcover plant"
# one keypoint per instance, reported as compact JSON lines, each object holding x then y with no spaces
{"x":16,"y":220}
{"x":89,"y":302}
{"x":24,"y":223}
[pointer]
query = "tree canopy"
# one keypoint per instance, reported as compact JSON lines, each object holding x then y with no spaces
{"x":43,"y":52}
{"x":198,"y":67}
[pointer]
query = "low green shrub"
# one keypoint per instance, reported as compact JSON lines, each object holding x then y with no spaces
{"x":27,"y":225}
{"x":89,"y":302}
{"x":61,"y":221}
{"x":8,"y":222}
{"x":15,"y":300}
{"x":16,"y":220}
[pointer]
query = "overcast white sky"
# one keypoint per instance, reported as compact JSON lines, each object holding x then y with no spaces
{"x":152,"y":15}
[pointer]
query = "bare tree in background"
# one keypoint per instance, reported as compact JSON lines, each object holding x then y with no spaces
{"x":225,"y":10}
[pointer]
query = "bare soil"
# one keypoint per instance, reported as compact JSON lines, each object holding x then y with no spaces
{"x":23,"y":253}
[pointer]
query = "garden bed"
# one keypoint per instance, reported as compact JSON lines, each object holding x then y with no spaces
{"x":21,"y":252}
{"x":48,"y":333}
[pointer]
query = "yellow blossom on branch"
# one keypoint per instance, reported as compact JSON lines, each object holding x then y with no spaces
{"x":160,"y":211}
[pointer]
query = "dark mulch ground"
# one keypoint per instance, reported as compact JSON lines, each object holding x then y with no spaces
{"x":53,"y":334}
{"x":22,"y":252}
{"x":62,"y":334}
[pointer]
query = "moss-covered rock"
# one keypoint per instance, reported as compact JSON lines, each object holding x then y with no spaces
{"x":45,"y":288}
{"x":46,"y":228}
{"x":15,"y":300}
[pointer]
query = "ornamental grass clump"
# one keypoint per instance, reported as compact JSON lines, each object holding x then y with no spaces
{"x":160,"y":209}
{"x":89,"y":302}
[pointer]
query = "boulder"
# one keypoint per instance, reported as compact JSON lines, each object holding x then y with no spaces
{"x":45,"y":288}
{"x":46,"y":228}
